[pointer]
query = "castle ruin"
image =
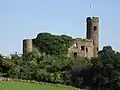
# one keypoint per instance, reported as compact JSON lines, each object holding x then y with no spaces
{"x":87,"y":47}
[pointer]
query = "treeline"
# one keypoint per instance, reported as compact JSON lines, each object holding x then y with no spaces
{"x":50,"y":64}
{"x":44,"y":68}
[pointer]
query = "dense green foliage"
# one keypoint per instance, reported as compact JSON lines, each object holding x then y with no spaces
{"x":46,"y":68}
{"x":52,"y":65}
{"x":104,"y":72}
{"x":52,"y":44}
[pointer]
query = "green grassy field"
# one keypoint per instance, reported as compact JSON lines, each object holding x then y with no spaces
{"x":12,"y":85}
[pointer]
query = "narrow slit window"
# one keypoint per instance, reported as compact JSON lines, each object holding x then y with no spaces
{"x":93,"y":42}
{"x":86,"y":49}
{"x":97,"y":48}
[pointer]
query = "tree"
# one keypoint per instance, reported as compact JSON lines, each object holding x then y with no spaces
{"x":108,"y":64}
{"x":103,"y":72}
{"x":53,"y":44}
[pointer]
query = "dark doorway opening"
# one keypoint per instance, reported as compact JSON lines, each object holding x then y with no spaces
{"x":82,"y":48}
{"x":75,"y":54}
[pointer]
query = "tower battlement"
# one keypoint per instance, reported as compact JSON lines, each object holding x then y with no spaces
{"x":95,"y":19}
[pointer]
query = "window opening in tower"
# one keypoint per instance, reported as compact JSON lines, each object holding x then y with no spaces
{"x":86,"y":49}
{"x":95,"y":28}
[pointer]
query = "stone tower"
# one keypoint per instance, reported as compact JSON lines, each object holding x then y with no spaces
{"x":93,"y":33}
{"x":27,"y":45}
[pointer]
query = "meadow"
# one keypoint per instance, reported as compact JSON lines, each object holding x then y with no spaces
{"x":13,"y":85}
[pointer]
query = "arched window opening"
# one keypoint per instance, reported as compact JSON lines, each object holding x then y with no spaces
{"x":95,"y":28}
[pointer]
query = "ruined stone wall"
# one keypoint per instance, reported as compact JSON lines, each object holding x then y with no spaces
{"x":27,"y":45}
{"x":95,"y":34}
{"x":88,"y":47}
{"x":81,"y":47}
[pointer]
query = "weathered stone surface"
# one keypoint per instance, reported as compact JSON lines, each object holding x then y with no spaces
{"x":87,"y":47}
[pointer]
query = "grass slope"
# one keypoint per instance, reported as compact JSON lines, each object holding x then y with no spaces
{"x":12,"y":85}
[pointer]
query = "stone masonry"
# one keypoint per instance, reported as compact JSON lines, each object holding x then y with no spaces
{"x":27,"y":45}
{"x":87,"y":47}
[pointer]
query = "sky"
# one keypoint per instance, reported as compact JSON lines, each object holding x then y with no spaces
{"x":22,"y":19}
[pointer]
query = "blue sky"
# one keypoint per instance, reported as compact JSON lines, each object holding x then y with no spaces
{"x":21,"y":19}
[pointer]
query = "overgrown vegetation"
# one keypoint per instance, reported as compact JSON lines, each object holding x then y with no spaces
{"x":53,"y":66}
{"x":46,"y":68}
{"x":53,"y":44}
